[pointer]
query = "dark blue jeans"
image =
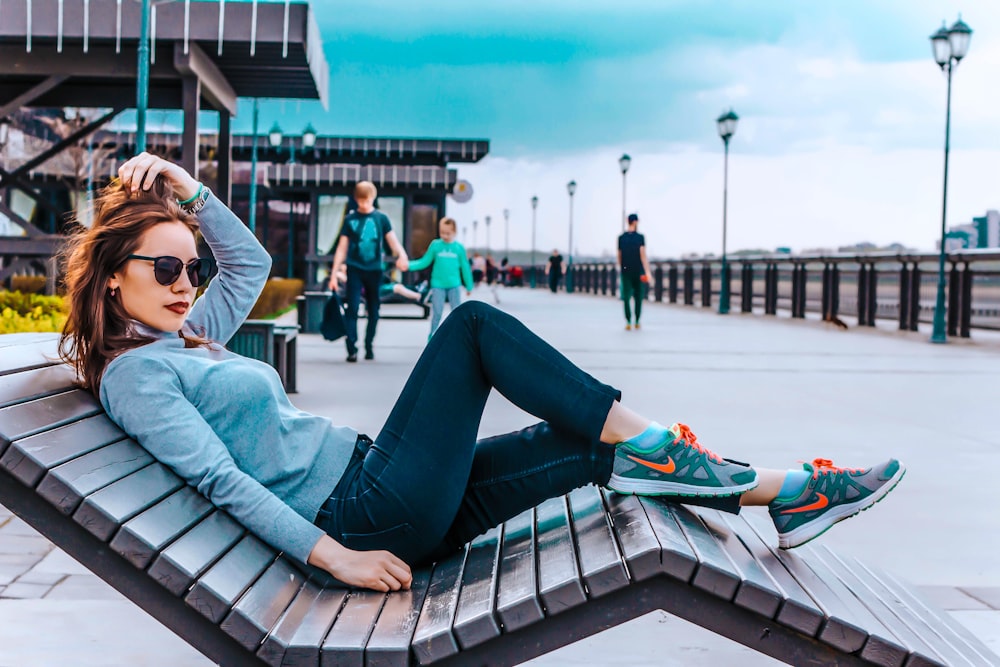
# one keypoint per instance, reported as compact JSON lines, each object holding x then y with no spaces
{"x":425,"y":486}
{"x":356,"y":280}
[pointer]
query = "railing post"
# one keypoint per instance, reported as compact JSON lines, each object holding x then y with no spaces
{"x":688,"y":285}
{"x":862,"y":294}
{"x":614,"y":280}
{"x":769,"y":277}
{"x":872,"y":295}
{"x":746,"y":290}
{"x":604,"y":280}
{"x":800,"y":305}
{"x":966,"y":318}
{"x":915,"y":297}
{"x":658,"y":283}
{"x":834,"y":289}
{"x":904,"y":296}
{"x":706,"y":285}
{"x":955,"y":286}
{"x":672,"y":281}
{"x":795,"y":290}
{"x":827,"y":291}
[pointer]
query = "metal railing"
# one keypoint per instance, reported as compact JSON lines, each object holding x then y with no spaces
{"x":871,"y":286}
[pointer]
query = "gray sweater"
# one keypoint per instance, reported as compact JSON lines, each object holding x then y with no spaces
{"x":221,"y":421}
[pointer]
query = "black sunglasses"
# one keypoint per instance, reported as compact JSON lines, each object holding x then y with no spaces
{"x":168,"y":269}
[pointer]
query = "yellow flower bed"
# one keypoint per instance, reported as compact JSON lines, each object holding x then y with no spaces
{"x":21,"y":313}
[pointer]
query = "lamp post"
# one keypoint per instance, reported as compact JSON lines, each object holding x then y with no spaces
{"x":534,"y":211}
{"x":950,"y":45}
{"x":142,"y":83}
{"x":487,"y":235}
{"x":727,"y":128}
{"x":506,"y":233}
{"x":571,"y":189}
{"x":624,"y":162}
{"x":475,"y":225}
{"x":252,"y":219}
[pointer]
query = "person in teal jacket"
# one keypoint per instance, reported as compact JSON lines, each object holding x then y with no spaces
{"x":451,"y":270}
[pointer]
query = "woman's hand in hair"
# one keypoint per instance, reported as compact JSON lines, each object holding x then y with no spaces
{"x":377,"y":570}
{"x":141,"y":171}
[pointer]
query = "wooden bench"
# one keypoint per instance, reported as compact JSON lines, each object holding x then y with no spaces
{"x":569,"y":568}
{"x":272,"y":342}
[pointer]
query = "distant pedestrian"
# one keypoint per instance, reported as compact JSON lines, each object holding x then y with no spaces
{"x":450,"y":271}
{"x":493,"y":278}
{"x":634,"y":270}
{"x":363,"y":236}
{"x":554,"y":270}
{"x":478,"y":268}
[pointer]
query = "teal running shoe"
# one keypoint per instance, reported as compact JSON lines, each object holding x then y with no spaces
{"x":678,"y":466}
{"x":831,"y":495}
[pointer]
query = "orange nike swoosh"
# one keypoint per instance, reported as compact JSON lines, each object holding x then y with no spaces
{"x":667,"y":467}
{"x":820,"y":503}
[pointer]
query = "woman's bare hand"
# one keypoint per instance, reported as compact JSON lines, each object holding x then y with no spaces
{"x":377,"y":570}
{"x":139,"y":173}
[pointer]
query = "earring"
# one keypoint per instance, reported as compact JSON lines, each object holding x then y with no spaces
{"x":113,"y":290}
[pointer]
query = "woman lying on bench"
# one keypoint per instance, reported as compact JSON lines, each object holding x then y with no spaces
{"x":366,"y":510}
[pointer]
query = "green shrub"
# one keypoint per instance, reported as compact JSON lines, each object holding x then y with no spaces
{"x":278,"y":295}
{"x":31,"y":313}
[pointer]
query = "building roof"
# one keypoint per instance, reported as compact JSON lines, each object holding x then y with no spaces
{"x":247,"y":49}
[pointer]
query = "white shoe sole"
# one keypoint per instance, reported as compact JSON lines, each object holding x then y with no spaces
{"x":643,"y":487}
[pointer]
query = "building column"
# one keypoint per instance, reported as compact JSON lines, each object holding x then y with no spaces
{"x":192,"y":103}
{"x":224,"y":158}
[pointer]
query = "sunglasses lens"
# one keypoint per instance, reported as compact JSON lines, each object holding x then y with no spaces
{"x":200,"y":271}
{"x":167,"y":270}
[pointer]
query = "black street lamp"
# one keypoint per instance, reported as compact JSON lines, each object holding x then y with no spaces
{"x":624,"y":162}
{"x":275,"y":137}
{"x":727,"y":128}
{"x":506,"y":233}
{"x":487,"y":235}
{"x":534,"y":211}
{"x":950,"y":45}
{"x":571,"y":189}
{"x":475,"y":225}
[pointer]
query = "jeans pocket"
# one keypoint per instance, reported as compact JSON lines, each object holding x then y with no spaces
{"x":401,"y":540}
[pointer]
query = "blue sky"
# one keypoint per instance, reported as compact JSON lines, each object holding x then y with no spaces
{"x":841,"y":105}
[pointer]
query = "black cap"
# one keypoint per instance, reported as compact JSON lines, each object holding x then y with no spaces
{"x":633,"y":217}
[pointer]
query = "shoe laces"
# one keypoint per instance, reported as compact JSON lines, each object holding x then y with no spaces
{"x":687,"y":436}
{"x":826,"y":467}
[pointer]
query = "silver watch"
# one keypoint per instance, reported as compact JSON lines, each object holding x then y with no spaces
{"x":199,"y":202}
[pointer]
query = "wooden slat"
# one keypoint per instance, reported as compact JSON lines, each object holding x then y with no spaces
{"x":677,"y":558}
{"x":798,"y":611}
{"x":475,"y":616}
{"x":433,"y":638}
{"x":389,"y":644}
{"x":29,"y":459}
{"x":344,"y":645}
{"x":758,"y":590}
{"x":260,"y":607}
{"x":104,"y":511}
{"x":43,"y":414}
{"x":66,"y":485}
{"x":841,"y":630}
{"x":299,"y":641}
{"x":272,"y":650}
{"x":517,"y":586}
{"x":215,"y":593}
{"x":909,"y":648}
{"x":189,"y":557}
{"x":948,"y":637}
{"x":560,"y":584}
{"x":862,"y":617}
{"x":145,"y":535}
{"x":600,"y":559}
{"x":716,"y":572}
{"x":31,"y":384}
{"x":19,"y":352}
{"x":635,"y":535}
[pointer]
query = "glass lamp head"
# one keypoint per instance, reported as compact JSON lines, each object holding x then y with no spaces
{"x":534,"y":202}
{"x":274,"y":135}
{"x":309,"y":136}
{"x":571,"y":188}
{"x":959,"y":36}
{"x":941,"y":46}
{"x":624,"y":162}
{"x":727,"y":124}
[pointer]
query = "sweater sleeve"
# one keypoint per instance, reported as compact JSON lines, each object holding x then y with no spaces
{"x":145,"y":398}
{"x":427,"y":259}
{"x":243,"y":269}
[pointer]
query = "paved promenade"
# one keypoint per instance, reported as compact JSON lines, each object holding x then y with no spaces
{"x":765,"y":390}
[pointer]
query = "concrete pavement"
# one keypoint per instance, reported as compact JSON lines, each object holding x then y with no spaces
{"x":753,"y":388}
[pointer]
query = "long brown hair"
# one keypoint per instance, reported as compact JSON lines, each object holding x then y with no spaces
{"x":98,"y":328}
